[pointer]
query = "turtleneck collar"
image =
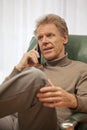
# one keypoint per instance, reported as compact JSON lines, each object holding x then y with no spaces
{"x":64,"y":61}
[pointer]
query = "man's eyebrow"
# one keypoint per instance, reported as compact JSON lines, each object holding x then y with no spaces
{"x":39,"y":36}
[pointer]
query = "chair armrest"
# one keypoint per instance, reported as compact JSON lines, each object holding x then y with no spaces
{"x":73,"y":120}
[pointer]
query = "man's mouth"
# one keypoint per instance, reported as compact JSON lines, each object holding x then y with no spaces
{"x":47,"y":50}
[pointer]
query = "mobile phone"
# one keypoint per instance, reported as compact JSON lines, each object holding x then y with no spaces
{"x":39,"y":51}
{"x":34,"y":45}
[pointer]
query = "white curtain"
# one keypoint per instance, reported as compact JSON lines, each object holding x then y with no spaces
{"x":17,"y":22}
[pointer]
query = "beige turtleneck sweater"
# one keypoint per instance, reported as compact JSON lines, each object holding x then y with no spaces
{"x":72,"y":77}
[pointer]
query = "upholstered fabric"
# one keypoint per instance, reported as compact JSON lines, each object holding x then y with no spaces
{"x":77,"y":47}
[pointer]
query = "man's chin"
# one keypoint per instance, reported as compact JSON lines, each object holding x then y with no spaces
{"x":48,"y":58}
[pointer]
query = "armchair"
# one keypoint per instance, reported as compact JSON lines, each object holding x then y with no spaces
{"x":77,"y":50}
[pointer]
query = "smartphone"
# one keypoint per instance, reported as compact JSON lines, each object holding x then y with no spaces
{"x":38,"y":49}
{"x":34,"y":44}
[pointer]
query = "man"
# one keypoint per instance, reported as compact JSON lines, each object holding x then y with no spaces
{"x":39,"y":97}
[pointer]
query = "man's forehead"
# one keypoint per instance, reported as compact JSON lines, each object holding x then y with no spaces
{"x":46,"y":28}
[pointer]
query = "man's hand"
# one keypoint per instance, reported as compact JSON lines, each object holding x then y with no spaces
{"x":29,"y":59}
{"x":52,"y":96}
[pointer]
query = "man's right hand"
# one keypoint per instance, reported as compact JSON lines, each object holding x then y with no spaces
{"x":29,"y":59}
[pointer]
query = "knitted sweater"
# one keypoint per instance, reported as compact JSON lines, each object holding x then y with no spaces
{"x":72,"y":77}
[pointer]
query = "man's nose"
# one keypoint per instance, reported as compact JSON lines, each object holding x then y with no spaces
{"x":45,"y":39}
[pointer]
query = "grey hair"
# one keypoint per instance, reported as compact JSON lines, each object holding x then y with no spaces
{"x":56,"y":20}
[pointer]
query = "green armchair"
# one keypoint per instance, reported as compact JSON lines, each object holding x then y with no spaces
{"x":77,"y":50}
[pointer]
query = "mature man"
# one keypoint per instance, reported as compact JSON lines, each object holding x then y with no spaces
{"x":43,"y":96}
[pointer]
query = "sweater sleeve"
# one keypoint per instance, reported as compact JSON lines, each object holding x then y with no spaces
{"x":81,"y":93}
{"x":12,"y":74}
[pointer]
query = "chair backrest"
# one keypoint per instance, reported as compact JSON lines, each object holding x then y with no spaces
{"x":76,"y":47}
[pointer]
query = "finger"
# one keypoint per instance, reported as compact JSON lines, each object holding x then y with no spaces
{"x":50,"y":82}
{"x":50,"y":99}
{"x":50,"y":105}
{"x":45,"y":95}
{"x":33,"y":52}
{"x":49,"y":94}
{"x":48,"y":89}
{"x":34,"y":58}
{"x":35,"y":47}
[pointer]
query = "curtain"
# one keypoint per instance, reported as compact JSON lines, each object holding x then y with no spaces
{"x":17,"y":23}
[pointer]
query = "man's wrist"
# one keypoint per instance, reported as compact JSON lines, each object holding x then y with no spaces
{"x":74,"y":103}
{"x":19,"y":68}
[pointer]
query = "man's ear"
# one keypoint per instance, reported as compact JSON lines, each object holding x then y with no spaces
{"x":65,"y":39}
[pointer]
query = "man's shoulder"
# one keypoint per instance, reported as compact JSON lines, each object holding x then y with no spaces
{"x":79,"y":65}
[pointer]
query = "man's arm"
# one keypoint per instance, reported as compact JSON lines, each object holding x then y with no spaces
{"x":29,"y":59}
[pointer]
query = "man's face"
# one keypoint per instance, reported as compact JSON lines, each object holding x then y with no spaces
{"x":51,"y":41}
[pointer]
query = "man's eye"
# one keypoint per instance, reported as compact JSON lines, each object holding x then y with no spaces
{"x":40,"y":37}
{"x":50,"y":35}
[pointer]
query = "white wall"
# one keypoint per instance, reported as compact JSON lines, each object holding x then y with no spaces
{"x":17,"y":21}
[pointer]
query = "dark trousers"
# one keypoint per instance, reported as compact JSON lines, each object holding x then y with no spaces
{"x":18,"y":95}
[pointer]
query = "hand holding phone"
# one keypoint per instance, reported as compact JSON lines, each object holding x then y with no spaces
{"x":30,"y":58}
